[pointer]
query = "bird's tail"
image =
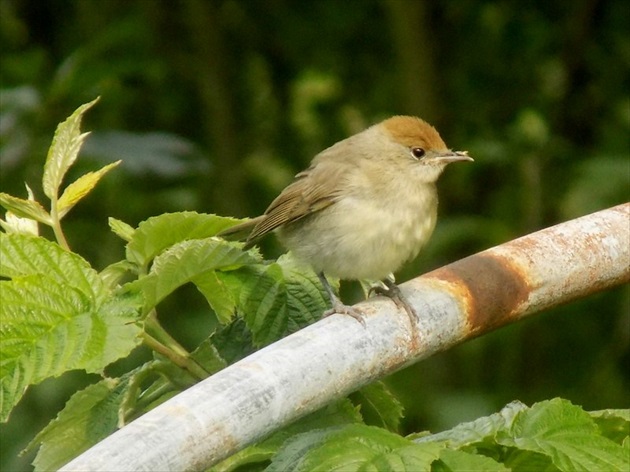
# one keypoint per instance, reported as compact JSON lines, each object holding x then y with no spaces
{"x":241,"y":231}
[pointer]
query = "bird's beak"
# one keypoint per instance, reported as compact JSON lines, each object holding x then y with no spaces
{"x":454,"y":156}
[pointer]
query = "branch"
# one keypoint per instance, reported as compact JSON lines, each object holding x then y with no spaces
{"x":335,"y":356}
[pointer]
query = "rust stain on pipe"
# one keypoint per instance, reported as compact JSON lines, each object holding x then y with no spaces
{"x":492,"y":289}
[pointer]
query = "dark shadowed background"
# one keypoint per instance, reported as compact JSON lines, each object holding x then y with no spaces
{"x":214,"y":105}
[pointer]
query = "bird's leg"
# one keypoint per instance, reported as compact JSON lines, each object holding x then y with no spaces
{"x":337,"y":305}
{"x":392,"y":291}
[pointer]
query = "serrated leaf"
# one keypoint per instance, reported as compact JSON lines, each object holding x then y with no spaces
{"x":218,"y":295}
{"x":338,"y":413}
{"x":567,"y":435}
{"x":613,"y":423}
{"x":233,"y":341}
{"x":25,"y":208}
{"x":121,"y":229}
{"x":22,"y":255}
{"x":379,"y":406}
{"x":113,"y":273}
{"x":49,"y":327}
{"x":80,"y":188}
{"x":187,"y":260}
{"x":277,"y":299}
{"x":456,"y":461}
{"x":90,"y":415}
{"x":354,"y":448}
{"x":208,"y":357}
{"x":479,"y":430}
{"x":64,"y":150}
{"x":520,"y":460}
{"x":246,"y":459}
{"x":306,"y":297}
{"x":16,"y":225}
{"x":156,"y":234}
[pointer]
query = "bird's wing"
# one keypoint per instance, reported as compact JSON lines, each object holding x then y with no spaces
{"x":314,"y":189}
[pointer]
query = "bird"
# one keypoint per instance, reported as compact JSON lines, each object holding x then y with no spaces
{"x":363,"y":208}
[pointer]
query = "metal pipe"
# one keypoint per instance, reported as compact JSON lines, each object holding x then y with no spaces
{"x":335,"y":356}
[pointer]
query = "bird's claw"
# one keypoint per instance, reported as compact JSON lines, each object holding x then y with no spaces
{"x":392,"y":291}
{"x":345,"y":310}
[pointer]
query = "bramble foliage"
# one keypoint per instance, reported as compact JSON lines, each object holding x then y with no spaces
{"x":60,"y":314}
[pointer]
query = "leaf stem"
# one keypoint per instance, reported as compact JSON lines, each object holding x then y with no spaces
{"x":56,"y":225}
{"x":184,"y":362}
{"x":162,"y":342}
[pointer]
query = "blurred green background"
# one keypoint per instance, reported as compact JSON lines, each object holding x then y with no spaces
{"x":214,"y":105}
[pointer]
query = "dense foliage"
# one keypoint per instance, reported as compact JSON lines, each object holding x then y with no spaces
{"x":213,"y":106}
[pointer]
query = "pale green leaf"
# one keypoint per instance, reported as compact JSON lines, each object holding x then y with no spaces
{"x":16,"y":225}
{"x":64,"y":150}
{"x":25,"y":208}
{"x":80,"y":188}
{"x":219,"y":296}
{"x":156,"y":234}
{"x":49,"y":327}
{"x":613,"y":423}
{"x":121,"y":229}
{"x":90,"y":415}
{"x":568,"y":435}
{"x":479,"y":430}
{"x":113,"y":273}
{"x":22,"y":255}
{"x":186,"y":261}
{"x":457,"y":461}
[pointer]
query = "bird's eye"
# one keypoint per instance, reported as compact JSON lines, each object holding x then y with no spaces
{"x":417,"y":152}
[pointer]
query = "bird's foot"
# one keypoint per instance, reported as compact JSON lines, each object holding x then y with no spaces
{"x":337,"y":305}
{"x":342,"y":309}
{"x":392,"y":291}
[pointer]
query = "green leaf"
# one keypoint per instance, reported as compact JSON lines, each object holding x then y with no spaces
{"x":160,"y":232}
{"x":185,"y":262}
{"x":49,"y":328}
{"x":306,"y":297}
{"x":613,"y":424}
{"x":80,"y":188}
{"x":456,"y":461}
{"x":208,"y":357}
{"x":277,"y":299}
{"x":379,"y":406}
{"x":567,"y":434}
{"x":64,"y":150}
{"x":338,"y":413}
{"x":354,"y":448}
{"x":478,"y":431}
{"x":57,"y":315}
{"x":249,"y":459}
{"x":90,"y":415}
{"x":220,"y":298}
{"x":233,"y":341}
{"x":22,"y":255}
{"x":520,"y":460}
{"x":121,"y":229}
{"x":113,"y":273}
{"x":25,"y":208}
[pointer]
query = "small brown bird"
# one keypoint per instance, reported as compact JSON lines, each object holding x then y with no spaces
{"x":364,"y":207}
